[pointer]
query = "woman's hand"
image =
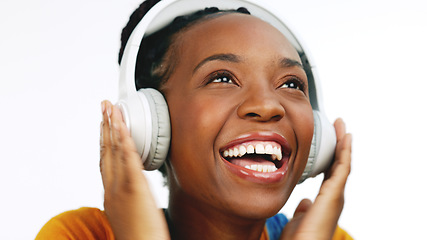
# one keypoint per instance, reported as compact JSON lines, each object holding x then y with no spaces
{"x":318,"y":220}
{"x":128,"y":202}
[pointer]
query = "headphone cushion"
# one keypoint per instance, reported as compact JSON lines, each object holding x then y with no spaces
{"x":160,"y":139}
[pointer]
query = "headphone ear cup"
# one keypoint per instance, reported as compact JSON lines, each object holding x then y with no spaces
{"x":147,"y":117}
{"x":160,"y":139}
{"x":137,"y":117}
{"x":322,"y":148}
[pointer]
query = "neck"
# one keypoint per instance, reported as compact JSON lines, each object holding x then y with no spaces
{"x":191,"y":219}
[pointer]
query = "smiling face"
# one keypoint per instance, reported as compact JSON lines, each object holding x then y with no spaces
{"x":241,"y":118}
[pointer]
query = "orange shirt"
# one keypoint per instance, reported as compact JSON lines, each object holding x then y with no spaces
{"x":83,"y":223}
{"x":92,"y":224}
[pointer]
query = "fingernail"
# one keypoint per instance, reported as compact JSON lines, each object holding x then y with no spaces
{"x":109,"y":110}
{"x":101,"y":134}
{"x":103,"y":107}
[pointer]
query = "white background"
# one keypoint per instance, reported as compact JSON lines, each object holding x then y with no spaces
{"x":58,"y":60}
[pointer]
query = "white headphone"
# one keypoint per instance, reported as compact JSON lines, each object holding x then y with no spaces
{"x":146,"y":113}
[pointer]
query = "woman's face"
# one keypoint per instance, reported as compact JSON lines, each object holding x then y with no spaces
{"x":238,"y":102}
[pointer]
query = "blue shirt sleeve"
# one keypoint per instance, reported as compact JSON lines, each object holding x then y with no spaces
{"x":275,"y":225}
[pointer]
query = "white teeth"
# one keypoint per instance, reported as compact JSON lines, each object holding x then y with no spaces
{"x":236,"y":152}
{"x":225,"y":153}
{"x":250,"y":149}
{"x":279,"y":154}
{"x":261,"y":168}
{"x":239,"y":151}
{"x":265,"y":168}
{"x":269,"y":149}
{"x":242,"y":151}
{"x":259,"y":148}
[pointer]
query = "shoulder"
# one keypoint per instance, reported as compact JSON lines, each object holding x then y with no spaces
{"x":83,"y":223}
{"x":341,"y":234}
{"x":275,"y":225}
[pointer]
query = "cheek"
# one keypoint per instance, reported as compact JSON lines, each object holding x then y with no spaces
{"x":303,"y":128}
{"x":196,"y":122}
{"x":193,"y":118}
{"x":301,"y":115}
{"x":198,"y":115}
{"x":305,"y":125}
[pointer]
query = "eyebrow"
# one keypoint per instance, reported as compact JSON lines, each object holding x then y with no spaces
{"x":287,"y":62}
{"x":227,"y":57}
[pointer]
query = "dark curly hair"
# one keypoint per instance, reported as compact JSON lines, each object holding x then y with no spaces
{"x":153,"y":66}
{"x":155,"y":63}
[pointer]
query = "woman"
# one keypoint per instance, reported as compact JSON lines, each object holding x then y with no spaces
{"x":235,"y":86}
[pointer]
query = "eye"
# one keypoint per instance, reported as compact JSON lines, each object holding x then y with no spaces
{"x":294,"y":83}
{"x":222,"y":77}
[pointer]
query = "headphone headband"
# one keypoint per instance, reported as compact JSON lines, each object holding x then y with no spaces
{"x":165,"y":11}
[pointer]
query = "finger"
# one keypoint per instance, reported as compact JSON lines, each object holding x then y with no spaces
{"x":116,"y":144}
{"x":130,"y":161}
{"x":342,"y":166}
{"x":340,"y":129}
{"x":328,"y":205}
{"x":302,"y":207}
{"x":105,"y":129}
{"x":333,"y":187}
{"x":105,"y":145}
{"x":336,"y":177}
{"x":130,"y":153}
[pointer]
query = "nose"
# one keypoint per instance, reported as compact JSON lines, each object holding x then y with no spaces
{"x":261,"y":105}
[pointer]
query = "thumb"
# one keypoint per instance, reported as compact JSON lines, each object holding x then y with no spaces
{"x":293,"y":225}
{"x":303,"y":207}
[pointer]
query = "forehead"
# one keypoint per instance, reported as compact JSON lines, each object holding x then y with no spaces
{"x":235,"y":33}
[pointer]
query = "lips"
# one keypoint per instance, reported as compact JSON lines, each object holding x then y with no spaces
{"x":258,"y":156}
{"x":261,"y":156}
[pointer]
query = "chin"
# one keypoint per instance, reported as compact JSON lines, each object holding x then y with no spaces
{"x":258,"y":205}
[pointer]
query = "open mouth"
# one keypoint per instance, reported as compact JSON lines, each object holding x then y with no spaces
{"x":260,"y":156}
